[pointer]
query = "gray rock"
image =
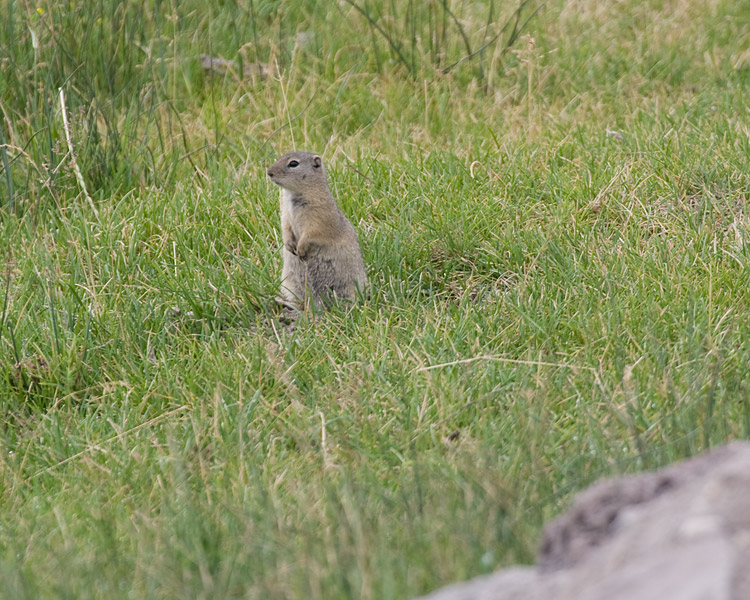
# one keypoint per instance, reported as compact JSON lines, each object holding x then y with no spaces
{"x":680,"y":533}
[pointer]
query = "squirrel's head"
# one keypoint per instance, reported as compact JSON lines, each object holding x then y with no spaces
{"x":298,"y":171}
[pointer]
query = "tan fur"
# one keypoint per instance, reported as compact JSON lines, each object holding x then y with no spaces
{"x":322,"y":257}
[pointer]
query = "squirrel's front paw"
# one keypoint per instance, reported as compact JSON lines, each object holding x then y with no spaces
{"x":303,"y":249}
{"x":291,"y":247}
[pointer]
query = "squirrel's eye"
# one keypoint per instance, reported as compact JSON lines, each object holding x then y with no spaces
{"x":293,"y":163}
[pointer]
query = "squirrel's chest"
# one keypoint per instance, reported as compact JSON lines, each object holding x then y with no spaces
{"x":288,"y":209}
{"x":294,"y":211}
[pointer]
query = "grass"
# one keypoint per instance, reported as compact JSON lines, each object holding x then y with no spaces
{"x":550,"y":303}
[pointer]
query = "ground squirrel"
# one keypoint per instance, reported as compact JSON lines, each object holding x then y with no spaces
{"x":321,"y":251}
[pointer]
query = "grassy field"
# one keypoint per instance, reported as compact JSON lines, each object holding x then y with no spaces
{"x":557,"y":231}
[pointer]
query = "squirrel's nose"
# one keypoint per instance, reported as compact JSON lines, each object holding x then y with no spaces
{"x":270,"y":173}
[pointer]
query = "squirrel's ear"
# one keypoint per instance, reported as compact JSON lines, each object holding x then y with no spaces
{"x":317,"y":161}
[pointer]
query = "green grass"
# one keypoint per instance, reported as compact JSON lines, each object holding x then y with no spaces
{"x":550,"y":304}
